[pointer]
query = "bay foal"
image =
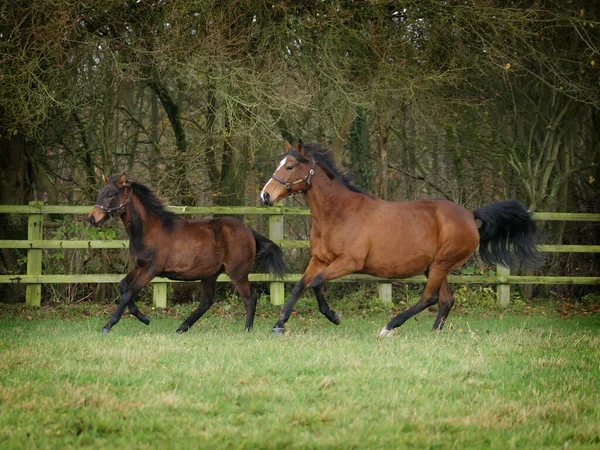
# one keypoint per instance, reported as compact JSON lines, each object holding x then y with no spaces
{"x":165,"y":244}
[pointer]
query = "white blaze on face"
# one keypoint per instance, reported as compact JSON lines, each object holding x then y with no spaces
{"x":262,"y":193}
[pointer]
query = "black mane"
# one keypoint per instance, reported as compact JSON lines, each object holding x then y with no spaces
{"x":324,"y":156}
{"x":152,"y":203}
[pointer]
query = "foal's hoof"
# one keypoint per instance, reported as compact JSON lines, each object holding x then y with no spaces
{"x":181,"y":330}
{"x":145,"y":319}
{"x":278,"y":330}
{"x":105,"y":330}
{"x":336,"y":319}
{"x":385,"y":332}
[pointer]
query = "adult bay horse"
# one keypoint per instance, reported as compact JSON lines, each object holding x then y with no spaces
{"x":355,"y":232}
{"x":165,"y":244}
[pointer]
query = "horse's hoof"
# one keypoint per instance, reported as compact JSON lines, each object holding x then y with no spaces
{"x":145,"y":319}
{"x":278,"y":330}
{"x":336,"y":319}
{"x":105,"y":330}
{"x":385,"y":332}
{"x":180,"y":331}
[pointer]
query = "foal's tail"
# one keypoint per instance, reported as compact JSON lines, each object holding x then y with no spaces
{"x":508,"y":235}
{"x":269,"y":256}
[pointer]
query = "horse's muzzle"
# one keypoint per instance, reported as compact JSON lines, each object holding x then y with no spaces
{"x":94,"y":221}
{"x":265,"y":199}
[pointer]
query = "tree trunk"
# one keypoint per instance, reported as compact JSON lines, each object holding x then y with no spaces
{"x":339,"y":142}
{"x":14,"y":190}
{"x":384,"y":133}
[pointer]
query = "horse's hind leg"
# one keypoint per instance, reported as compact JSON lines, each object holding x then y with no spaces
{"x":208,"y":290}
{"x":429,"y":298}
{"x":445,"y":305}
{"x":245,"y":291}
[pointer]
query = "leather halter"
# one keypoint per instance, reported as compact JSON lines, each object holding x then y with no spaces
{"x":290,"y":184}
{"x":110,"y":211}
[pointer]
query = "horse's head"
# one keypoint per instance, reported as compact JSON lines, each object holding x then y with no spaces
{"x":112,"y":199}
{"x":292,"y":176}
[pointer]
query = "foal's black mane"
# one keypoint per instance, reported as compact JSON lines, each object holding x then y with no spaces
{"x":152,"y":203}
{"x":324,"y":156}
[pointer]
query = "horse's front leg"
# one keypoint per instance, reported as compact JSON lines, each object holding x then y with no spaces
{"x":314,"y":267}
{"x":341,"y":266}
{"x":133,"y":309}
{"x":324,"y":306}
{"x":137,"y":283}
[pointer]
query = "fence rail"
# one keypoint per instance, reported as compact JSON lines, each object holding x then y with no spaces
{"x":35,"y":243}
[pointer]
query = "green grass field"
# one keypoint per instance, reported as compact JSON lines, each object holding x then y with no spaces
{"x":510,"y":380}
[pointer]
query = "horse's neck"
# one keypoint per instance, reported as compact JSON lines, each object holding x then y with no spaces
{"x":137,"y":222}
{"x":325,"y":198}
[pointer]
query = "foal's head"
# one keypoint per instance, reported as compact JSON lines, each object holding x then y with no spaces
{"x":292,"y":176}
{"x":112,"y":199}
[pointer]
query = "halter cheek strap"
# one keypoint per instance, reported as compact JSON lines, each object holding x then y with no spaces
{"x":122,"y":206}
{"x":290,"y":184}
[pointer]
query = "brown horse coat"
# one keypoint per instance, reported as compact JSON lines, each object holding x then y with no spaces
{"x":355,"y":232}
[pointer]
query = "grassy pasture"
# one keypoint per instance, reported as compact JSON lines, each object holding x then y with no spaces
{"x":502,"y":381}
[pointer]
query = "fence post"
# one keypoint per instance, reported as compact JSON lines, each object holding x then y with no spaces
{"x":277,"y":288}
{"x":35,"y":232}
{"x":385,"y":293}
{"x":159,"y":295}
{"x":503,"y":290}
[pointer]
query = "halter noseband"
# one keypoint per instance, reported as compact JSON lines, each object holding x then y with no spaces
{"x":110,"y":211}
{"x":290,"y":184}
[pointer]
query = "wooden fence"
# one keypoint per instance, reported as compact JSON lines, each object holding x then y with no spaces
{"x":35,"y":243}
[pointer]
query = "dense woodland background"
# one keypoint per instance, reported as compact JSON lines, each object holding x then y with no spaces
{"x":474,"y":101}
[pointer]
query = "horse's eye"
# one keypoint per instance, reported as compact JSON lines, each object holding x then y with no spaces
{"x":289,"y":167}
{"x":112,"y":195}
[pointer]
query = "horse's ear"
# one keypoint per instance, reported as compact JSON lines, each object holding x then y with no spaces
{"x":122,"y":181}
{"x":288,"y":147}
{"x":300,"y":147}
{"x":100,"y":173}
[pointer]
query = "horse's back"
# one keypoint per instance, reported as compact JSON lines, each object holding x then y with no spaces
{"x":227,"y":233}
{"x":408,"y":236}
{"x":239,"y":246}
{"x":202,"y":247}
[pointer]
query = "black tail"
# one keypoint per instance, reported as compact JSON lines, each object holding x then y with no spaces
{"x":508,"y":235}
{"x":269,"y":256}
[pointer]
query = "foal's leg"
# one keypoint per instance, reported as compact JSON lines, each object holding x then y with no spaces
{"x":133,"y":309}
{"x":208,"y":291}
{"x":444,"y":305}
{"x":245,"y":291}
{"x":137,"y":283}
{"x":429,"y":298}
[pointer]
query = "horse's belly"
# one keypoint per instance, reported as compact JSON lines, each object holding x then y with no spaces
{"x":397,"y":268}
{"x":191,"y":265}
